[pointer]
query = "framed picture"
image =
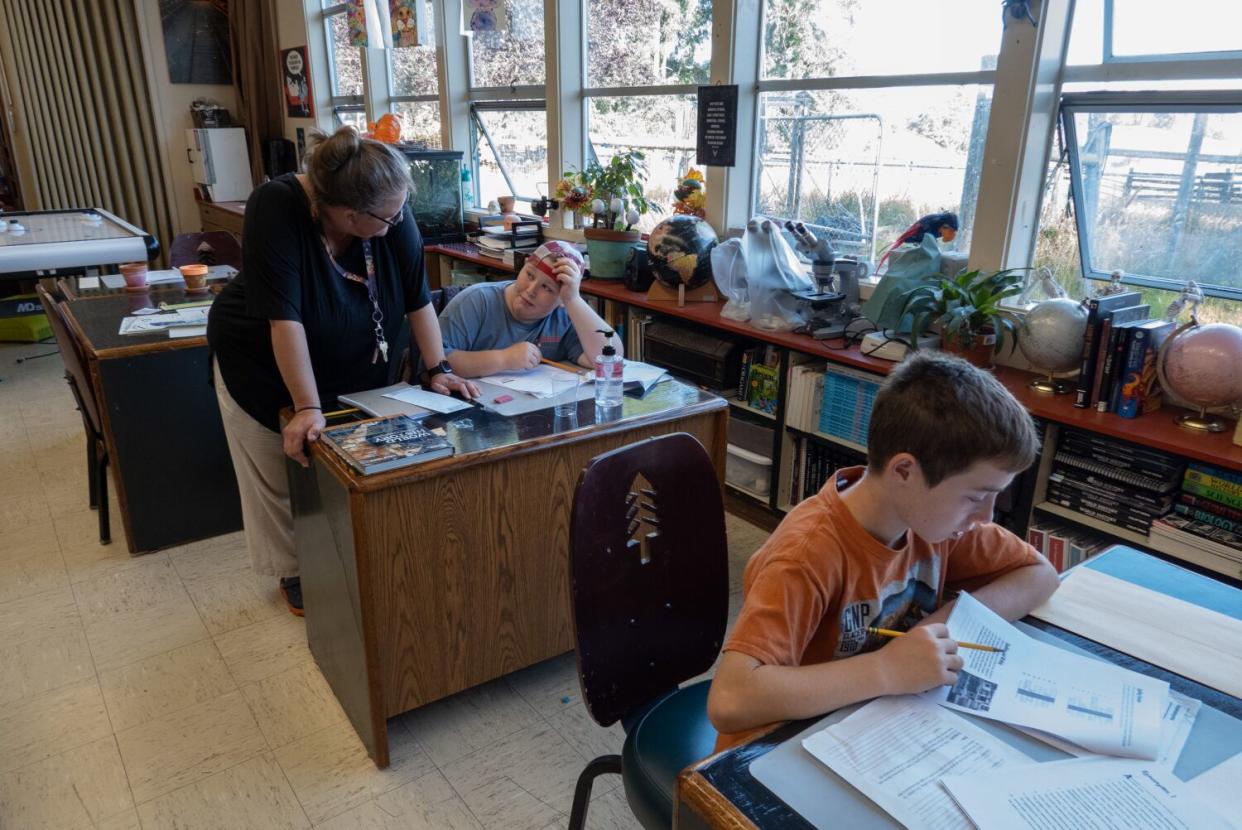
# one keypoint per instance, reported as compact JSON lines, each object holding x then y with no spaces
{"x":299,"y":100}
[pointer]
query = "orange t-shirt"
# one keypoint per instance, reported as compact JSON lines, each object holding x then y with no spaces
{"x":821,"y":580}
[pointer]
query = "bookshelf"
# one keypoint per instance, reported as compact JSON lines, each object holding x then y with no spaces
{"x":1156,"y":430}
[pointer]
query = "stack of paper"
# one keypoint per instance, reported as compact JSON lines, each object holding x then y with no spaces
{"x":539,"y":382}
{"x":194,"y":318}
{"x":637,"y":375}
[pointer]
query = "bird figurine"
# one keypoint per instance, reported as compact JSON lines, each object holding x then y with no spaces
{"x":940,"y":225}
{"x":1190,"y":298}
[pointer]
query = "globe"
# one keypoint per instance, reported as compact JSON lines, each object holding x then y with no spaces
{"x":1051,"y":335}
{"x":679,"y":250}
{"x":1203,"y":364}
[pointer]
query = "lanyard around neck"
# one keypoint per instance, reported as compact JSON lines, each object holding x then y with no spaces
{"x":371,"y":282}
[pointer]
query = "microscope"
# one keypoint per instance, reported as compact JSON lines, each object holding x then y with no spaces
{"x":835,"y":302}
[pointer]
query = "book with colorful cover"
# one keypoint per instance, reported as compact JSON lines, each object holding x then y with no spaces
{"x":1101,"y":384}
{"x":1218,"y":472}
{"x":379,"y":444}
{"x":1138,"y":387}
{"x":1208,"y":518}
{"x":764,"y":388}
{"x":1098,"y":308}
{"x":1209,"y":478}
{"x":1211,"y":506}
{"x":1228,"y":499}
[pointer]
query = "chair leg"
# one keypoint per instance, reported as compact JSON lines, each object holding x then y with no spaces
{"x":101,"y":486}
{"x":92,"y":476}
{"x":582,"y":792}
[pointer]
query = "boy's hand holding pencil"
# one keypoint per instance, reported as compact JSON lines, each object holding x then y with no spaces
{"x":920,"y":659}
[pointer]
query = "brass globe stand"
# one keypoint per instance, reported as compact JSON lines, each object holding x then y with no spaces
{"x":1201,"y":422}
{"x":1051,"y":385}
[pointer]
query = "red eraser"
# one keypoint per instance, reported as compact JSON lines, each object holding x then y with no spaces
{"x":503,"y":399}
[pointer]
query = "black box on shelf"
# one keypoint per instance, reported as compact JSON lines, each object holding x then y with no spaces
{"x":708,"y":359}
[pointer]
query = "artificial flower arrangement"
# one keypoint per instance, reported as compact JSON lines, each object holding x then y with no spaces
{"x":690,"y":197}
{"x":610,"y":194}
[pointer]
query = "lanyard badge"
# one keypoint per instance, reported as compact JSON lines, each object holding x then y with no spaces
{"x":372,"y":285}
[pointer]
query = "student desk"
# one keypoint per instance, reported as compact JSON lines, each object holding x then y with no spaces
{"x":430,"y":579}
{"x":721,"y":792}
{"x":170,"y":462}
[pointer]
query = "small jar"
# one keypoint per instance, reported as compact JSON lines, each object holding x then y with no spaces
{"x":135,"y":275}
{"x":195,"y":277}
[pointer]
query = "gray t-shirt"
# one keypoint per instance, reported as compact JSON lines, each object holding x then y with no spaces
{"x":477,"y":319}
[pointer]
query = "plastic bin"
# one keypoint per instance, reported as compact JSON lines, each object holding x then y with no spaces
{"x":748,"y":470}
{"x":750,"y":436}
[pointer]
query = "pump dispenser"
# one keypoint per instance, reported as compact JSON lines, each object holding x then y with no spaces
{"x":609,"y":370}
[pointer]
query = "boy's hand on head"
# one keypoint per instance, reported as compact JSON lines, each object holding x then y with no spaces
{"x":522,"y":355}
{"x":569,"y":275}
{"x":921,"y":659}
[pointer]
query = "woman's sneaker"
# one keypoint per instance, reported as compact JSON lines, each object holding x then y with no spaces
{"x":291,"y":589}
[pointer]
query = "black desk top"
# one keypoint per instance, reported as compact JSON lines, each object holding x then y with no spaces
{"x":478,"y":434}
{"x":99,"y":319}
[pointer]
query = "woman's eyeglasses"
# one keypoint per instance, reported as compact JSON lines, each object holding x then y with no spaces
{"x":393,"y":222}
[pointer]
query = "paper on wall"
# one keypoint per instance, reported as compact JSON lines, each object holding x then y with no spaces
{"x":1101,"y":707}
{"x":894,"y":750}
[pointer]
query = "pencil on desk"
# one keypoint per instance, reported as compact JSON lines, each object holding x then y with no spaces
{"x":567,"y":367}
{"x":888,"y":632}
{"x":338,"y":412}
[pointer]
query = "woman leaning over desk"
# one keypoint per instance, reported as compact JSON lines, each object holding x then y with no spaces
{"x":332,"y":267}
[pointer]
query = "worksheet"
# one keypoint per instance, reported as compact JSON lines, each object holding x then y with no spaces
{"x":1221,"y":787}
{"x":1100,"y":793}
{"x":539,"y":382}
{"x":1103,"y":708}
{"x":1179,"y":718}
{"x":434,"y":401}
{"x":895,"y":750}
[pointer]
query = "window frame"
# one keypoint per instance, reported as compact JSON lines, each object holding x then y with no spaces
{"x":1197,"y":101}
{"x":1163,"y":57}
{"x":340,"y":103}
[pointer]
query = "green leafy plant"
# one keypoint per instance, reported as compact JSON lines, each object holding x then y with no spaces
{"x":964,"y":307}
{"x":620,"y":183}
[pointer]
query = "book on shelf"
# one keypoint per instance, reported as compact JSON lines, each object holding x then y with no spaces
{"x":1212,"y":506}
{"x":1199,"y":536}
{"x":763,"y":388}
{"x":1213,"y":481}
{"x":1228,"y":499}
{"x":1101,"y":384}
{"x":1115,"y":511}
{"x":1100,"y":469}
{"x":1098,"y":308}
{"x":1072,"y":480}
{"x":1141,"y":528}
{"x":846,"y":403}
{"x":1122,"y":453}
{"x":1207,"y":517}
{"x":1217,"y":472}
{"x":379,"y":444}
{"x":1138,"y":387}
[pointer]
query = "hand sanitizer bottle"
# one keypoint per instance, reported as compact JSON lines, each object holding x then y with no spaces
{"x":609,"y":368}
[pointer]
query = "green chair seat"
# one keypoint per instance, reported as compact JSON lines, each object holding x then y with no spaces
{"x":670,"y":736}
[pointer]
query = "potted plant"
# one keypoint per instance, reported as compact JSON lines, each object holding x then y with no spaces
{"x":611,"y":196}
{"x":966,"y":312}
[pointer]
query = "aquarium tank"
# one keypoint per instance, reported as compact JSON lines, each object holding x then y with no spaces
{"x":436,"y":199}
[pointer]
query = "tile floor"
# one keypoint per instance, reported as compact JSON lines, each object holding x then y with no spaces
{"x":173,"y":690}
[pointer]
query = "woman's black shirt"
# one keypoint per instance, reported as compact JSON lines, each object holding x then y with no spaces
{"x":286,"y":275}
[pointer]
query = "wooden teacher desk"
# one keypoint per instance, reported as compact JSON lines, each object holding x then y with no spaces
{"x":722,"y":792}
{"x":171,"y":465}
{"x":428,"y":580}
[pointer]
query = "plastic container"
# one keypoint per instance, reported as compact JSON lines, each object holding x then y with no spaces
{"x":750,"y":471}
{"x":749,"y":436}
{"x":609,"y":374}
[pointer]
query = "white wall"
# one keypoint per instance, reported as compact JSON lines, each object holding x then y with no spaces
{"x":291,"y":30}
{"x":172,"y":107}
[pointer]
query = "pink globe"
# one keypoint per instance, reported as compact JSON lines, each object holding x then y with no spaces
{"x":1204,"y":364}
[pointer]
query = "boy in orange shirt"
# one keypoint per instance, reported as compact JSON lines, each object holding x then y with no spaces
{"x":882,"y":546}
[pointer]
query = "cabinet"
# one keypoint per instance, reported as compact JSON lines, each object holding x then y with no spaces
{"x":222,"y":216}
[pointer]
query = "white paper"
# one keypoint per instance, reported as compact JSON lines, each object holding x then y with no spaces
{"x":636,"y":372}
{"x":177,"y":332}
{"x":1179,"y":718}
{"x":148,"y":323}
{"x":1097,"y":793}
{"x":1221,"y":787}
{"x":1101,"y":707}
{"x":434,"y":401}
{"x":539,"y":382}
{"x":895,"y":750}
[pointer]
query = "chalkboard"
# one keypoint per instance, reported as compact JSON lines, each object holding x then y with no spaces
{"x":717,"y":136}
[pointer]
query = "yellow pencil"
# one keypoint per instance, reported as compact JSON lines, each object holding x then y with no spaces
{"x":567,"y":367}
{"x":349,"y":411}
{"x":888,"y":632}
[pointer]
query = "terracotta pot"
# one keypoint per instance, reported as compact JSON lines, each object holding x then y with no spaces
{"x":506,"y":204}
{"x":979,"y":353}
{"x":609,"y":250}
{"x":195,"y":277}
{"x":135,"y":274}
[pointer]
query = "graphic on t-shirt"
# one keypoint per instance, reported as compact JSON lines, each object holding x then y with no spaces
{"x":972,"y":692}
{"x":901,"y":604}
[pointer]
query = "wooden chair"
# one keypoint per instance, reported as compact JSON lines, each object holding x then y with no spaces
{"x":84,"y":394}
{"x":208,"y":248}
{"x":649,"y":584}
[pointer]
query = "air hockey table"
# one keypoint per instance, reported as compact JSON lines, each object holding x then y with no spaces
{"x":57,"y":240}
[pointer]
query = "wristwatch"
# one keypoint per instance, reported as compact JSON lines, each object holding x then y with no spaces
{"x":442,"y":368}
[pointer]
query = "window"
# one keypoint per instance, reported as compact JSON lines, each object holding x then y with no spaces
{"x":1158,"y":187}
{"x":511,"y":150}
{"x":414,"y":86}
{"x":344,"y":68}
{"x":1107,"y":31}
{"x":645,"y":60}
{"x":865,"y":123}
{"x":513,"y":56}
